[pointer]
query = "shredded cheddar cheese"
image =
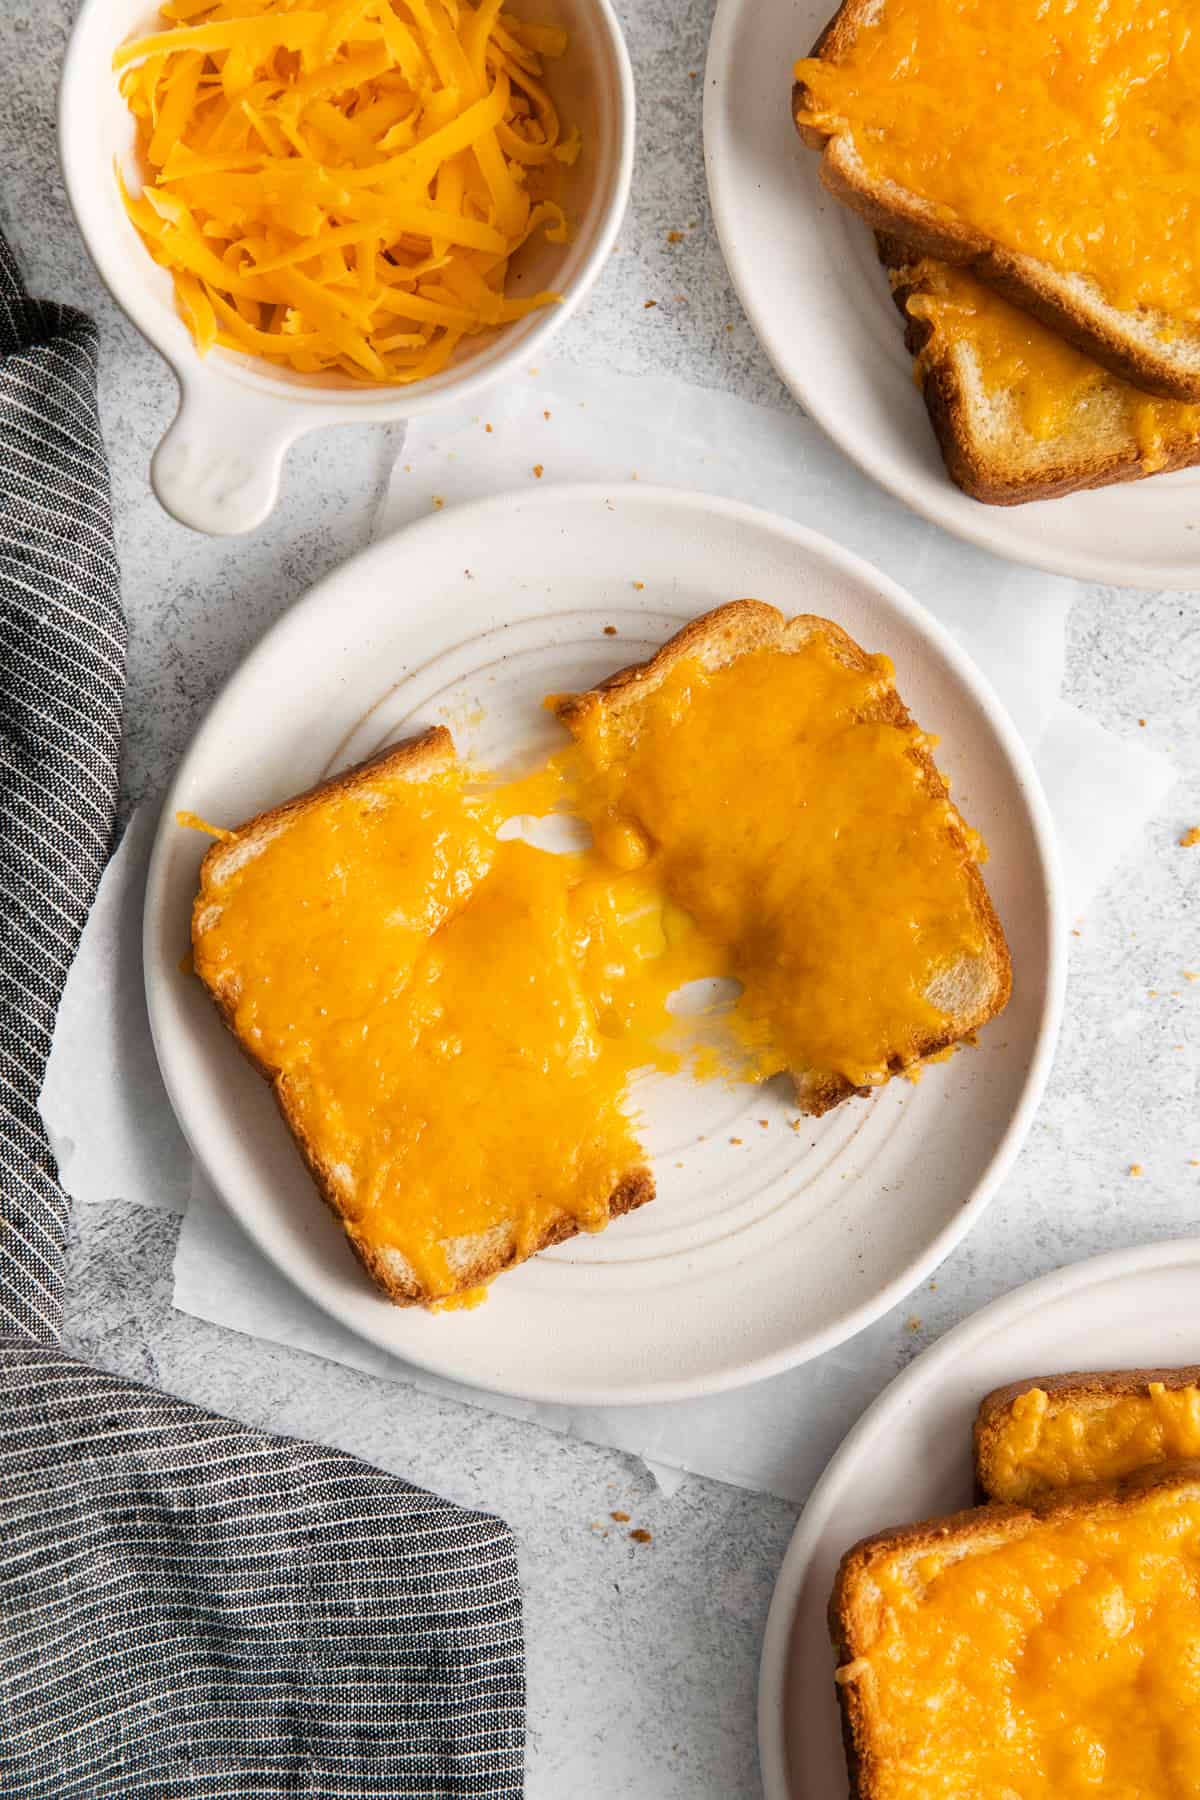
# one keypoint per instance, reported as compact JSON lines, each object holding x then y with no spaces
{"x":340,"y":185}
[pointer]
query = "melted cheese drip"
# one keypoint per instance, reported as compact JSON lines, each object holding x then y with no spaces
{"x":1068,"y":130}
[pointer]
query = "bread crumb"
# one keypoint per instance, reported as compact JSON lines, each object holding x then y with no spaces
{"x":647,"y":304}
{"x":610,"y":631}
{"x":692,"y":74}
{"x":729,"y":328}
{"x":1190,"y":838}
{"x":765,"y":1123}
{"x":933,"y":1287}
{"x":539,"y":470}
{"x":487,"y":428}
{"x":1193,"y":1162}
{"x":1075,"y":933}
{"x":1142,"y":723}
{"x":674,"y":237}
{"x":914,"y":1324}
{"x":1136,"y":1169}
{"x":735,"y":1140}
{"x":641,"y":1536}
{"x":1190,"y":974}
{"x":1152,"y":993}
{"x":622,"y":1518}
{"x":438,"y":502}
{"x":545,"y":414}
{"x":638,"y":586}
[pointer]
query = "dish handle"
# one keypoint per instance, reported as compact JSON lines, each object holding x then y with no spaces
{"x":218,"y":467}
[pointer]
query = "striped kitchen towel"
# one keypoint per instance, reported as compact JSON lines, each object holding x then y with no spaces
{"x":187,"y":1607}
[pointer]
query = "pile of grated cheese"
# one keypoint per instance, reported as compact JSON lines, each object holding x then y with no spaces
{"x":338,"y":185}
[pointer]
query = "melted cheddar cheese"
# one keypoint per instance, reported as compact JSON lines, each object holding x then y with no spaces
{"x":454,"y":1015}
{"x":1048,"y":380}
{"x":1044,"y":1443}
{"x":796,"y":824}
{"x":1068,"y":130}
{"x":1064,"y":1662}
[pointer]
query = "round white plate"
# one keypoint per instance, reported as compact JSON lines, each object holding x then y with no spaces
{"x":806,"y":272}
{"x":909,"y":1458}
{"x":766,"y":1245}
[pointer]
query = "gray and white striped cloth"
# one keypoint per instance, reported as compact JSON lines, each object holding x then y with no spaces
{"x":187,"y":1607}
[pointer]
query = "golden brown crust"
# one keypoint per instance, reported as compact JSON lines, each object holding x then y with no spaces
{"x":950,"y":415}
{"x":733,"y":630}
{"x":417,"y":756}
{"x":1034,"y":286}
{"x":852,"y":1612}
{"x":1073,"y":1389}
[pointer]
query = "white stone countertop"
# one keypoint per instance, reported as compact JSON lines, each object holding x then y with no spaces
{"x":642,"y":1658}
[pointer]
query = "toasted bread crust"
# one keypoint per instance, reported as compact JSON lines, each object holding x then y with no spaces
{"x":1073,"y":1389}
{"x":415,"y":758}
{"x":969,"y":465}
{"x":733,"y":630}
{"x":850,"y":1604}
{"x":1069,"y":305}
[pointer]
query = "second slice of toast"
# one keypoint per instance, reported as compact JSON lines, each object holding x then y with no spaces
{"x":1019,"y":413}
{"x":793,"y":834}
{"x":1035,"y":1437}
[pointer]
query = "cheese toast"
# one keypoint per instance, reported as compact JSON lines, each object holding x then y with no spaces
{"x":1039,"y":1650}
{"x":306,"y":876}
{"x":1037,"y":1436}
{"x":786,"y":911}
{"x":1046,"y":149}
{"x":450,"y":1017}
{"x":1019,"y":413}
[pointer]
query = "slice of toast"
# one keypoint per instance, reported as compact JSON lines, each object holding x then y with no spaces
{"x":379,"y":790}
{"x":1038,"y":422}
{"x":1022,"y":1650}
{"x":1153,"y":350}
{"x":970,"y":991}
{"x":1034,"y":1437}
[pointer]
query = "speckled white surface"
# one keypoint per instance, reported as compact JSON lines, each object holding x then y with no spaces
{"x":642,"y":1658}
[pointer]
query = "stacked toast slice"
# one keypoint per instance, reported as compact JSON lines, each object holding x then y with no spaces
{"x":1042,"y":1642}
{"x":1053,"y":351}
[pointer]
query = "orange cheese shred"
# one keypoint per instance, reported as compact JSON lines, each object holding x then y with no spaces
{"x":340,"y":186}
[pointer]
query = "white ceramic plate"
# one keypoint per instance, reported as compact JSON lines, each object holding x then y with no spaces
{"x":806,"y":272}
{"x":909,"y":1458}
{"x":757,"y":1253}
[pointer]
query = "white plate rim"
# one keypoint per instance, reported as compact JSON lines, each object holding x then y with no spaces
{"x":291,"y":626}
{"x":996,"y":528}
{"x":1004,"y":1312}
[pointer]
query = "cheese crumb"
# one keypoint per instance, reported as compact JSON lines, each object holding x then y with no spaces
{"x":1190,"y":838}
{"x":1136,"y":1169}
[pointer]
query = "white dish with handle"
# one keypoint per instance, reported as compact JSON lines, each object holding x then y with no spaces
{"x":218,"y":467}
